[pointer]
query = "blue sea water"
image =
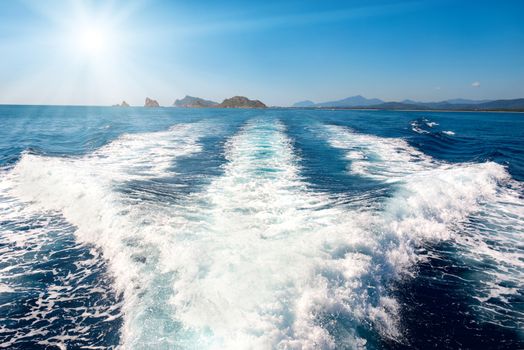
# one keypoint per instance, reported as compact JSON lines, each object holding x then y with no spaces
{"x":169,"y":228}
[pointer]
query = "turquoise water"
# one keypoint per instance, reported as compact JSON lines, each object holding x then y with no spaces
{"x":233,"y":229}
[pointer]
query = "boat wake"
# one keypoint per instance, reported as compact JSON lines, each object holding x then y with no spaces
{"x":256,"y":259}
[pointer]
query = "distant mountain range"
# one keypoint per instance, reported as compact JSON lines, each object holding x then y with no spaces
{"x":453,"y":104}
{"x":353,"y":101}
{"x":306,"y":103}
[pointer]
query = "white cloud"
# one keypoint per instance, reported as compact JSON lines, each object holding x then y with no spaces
{"x":475,"y":84}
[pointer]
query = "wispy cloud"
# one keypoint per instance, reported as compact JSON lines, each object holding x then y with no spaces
{"x":475,"y":84}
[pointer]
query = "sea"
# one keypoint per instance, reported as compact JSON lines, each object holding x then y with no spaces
{"x":172,"y":228}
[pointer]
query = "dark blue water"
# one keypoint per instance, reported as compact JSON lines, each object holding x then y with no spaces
{"x":179,"y":228}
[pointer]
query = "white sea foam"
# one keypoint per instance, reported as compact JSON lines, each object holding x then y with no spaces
{"x":416,"y":127}
{"x":84,"y":191}
{"x":254,"y":261}
{"x":273,"y":262}
{"x":439,"y":201}
{"x":25,"y":254}
{"x":257,"y":260}
{"x":381,"y":158}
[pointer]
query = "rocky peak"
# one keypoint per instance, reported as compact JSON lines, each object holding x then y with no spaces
{"x":123,"y":104}
{"x":151,"y":103}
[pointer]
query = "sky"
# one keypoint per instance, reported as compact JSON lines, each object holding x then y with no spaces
{"x":102,"y":52}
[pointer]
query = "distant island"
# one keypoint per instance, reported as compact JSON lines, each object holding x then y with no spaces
{"x":360,"y":102}
{"x":123,"y":104}
{"x":197,"y":102}
{"x":241,"y":102}
{"x":233,"y":102}
{"x":194,"y":102}
{"x":151,"y":103}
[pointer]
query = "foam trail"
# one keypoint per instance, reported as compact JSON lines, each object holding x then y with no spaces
{"x":271,"y":264}
{"x":256,"y":260}
{"x":276,"y":266}
{"x":377,"y":157}
{"x":85,"y":191}
{"x":74,"y":274}
{"x":476,"y":206}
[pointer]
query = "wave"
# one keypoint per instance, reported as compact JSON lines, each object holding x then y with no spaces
{"x":478,"y":207}
{"x":381,"y":158}
{"x":421,"y":125}
{"x":417,"y":126}
{"x":54,"y":290}
{"x":85,"y":192}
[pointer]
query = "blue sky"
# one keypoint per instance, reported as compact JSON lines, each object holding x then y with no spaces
{"x":277,"y":51}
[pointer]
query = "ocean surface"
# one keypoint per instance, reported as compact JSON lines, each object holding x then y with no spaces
{"x":167,"y":228}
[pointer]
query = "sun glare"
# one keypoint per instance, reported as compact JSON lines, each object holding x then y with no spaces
{"x":92,"y":41}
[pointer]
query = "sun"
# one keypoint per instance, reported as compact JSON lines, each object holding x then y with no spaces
{"x":92,"y":40}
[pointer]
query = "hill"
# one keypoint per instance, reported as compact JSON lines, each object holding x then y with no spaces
{"x":194,"y":102}
{"x":241,"y":102}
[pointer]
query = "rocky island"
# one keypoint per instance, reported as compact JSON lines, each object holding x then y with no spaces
{"x":151,"y":103}
{"x":123,"y":104}
{"x":194,"y":102}
{"x":241,"y":102}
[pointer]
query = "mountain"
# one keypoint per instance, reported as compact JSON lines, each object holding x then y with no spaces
{"x":472,"y":105}
{"x":306,"y":103}
{"x":462,"y":101}
{"x":411,"y":102}
{"x":241,"y":102}
{"x":151,"y":103}
{"x":194,"y":102}
{"x":354,"y":101}
{"x":515,"y":104}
